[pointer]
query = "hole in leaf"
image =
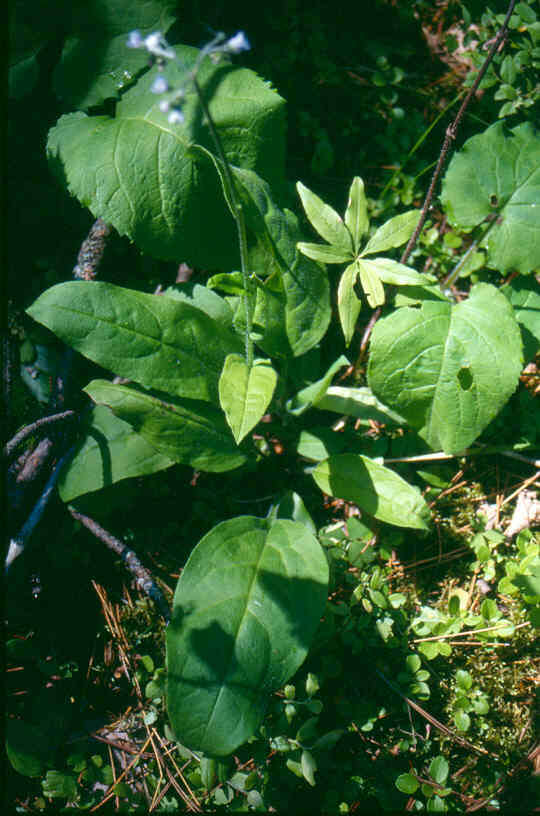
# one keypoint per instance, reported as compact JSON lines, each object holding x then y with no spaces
{"x":493,"y":200}
{"x":465,"y":378}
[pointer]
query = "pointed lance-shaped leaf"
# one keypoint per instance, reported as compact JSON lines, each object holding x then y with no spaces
{"x":356,"y":214}
{"x":325,"y":220}
{"x":395,"y":232}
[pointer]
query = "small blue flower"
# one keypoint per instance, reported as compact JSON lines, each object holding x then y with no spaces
{"x":159,"y":85}
{"x":237,"y":43}
{"x":135,"y":40}
{"x":164,"y":106}
{"x":176,"y":117}
{"x":157,"y":44}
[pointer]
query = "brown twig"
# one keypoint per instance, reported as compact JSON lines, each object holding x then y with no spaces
{"x":92,"y":251}
{"x":451,"y":131}
{"x":28,"y":430}
{"x":143,"y":577}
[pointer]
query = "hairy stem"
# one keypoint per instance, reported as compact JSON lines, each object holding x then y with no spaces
{"x":238,"y":215}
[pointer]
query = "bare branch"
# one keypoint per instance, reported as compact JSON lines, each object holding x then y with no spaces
{"x":143,"y":577}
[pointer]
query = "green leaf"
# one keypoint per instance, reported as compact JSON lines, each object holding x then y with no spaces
{"x":57,"y":785}
{"x":245,"y":393}
{"x":395,"y":232}
{"x":156,"y":183}
{"x":371,"y":284}
{"x":349,"y":305}
{"x":497,"y":175}
{"x":324,"y":253}
{"x":203,"y":298}
{"x":291,"y":506}
{"x":356,"y":214}
{"x":313,"y":393}
{"x":374,"y":488}
{"x":154,"y":340}
{"x":524,"y":295}
{"x":309,"y":766}
{"x":413,"y":663}
{"x":320,"y":443}
{"x":27,"y":747}
{"x":325,"y":220}
{"x":430,"y":649}
{"x":359,"y":403}
{"x":292,"y":308}
{"x":111,"y":451}
{"x":463,"y":679}
{"x":407,"y":783}
{"x":462,"y":720}
{"x":245,"y":610}
{"x":438,"y":769}
{"x":328,"y":740}
{"x":187,"y":431}
{"x":448,"y":369}
{"x":396,"y":273}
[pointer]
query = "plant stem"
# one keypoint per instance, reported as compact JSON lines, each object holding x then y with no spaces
{"x":238,"y":215}
{"x":451,"y":131}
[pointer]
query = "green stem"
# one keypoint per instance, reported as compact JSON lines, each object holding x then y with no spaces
{"x":238,"y":215}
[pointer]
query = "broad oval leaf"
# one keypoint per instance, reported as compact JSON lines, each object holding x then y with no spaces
{"x":245,"y":393}
{"x":325,"y":220}
{"x":497,"y":176}
{"x":147,"y":178}
{"x":349,"y":305}
{"x":356,"y":214}
{"x":187,"y":431}
{"x":448,"y":368}
{"x":245,"y":610}
{"x":111,"y":451}
{"x":154,"y":340}
{"x":395,"y":232}
{"x":374,"y":488}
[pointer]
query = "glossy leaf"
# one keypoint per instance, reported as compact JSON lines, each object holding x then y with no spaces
{"x":187,"y":431}
{"x":245,"y":609}
{"x":374,"y":488}
{"x":111,"y":451}
{"x":154,"y":340}
{"x":349,"y":305}
{"x":497,"y":176}
{"x":356,"y":214}
{"x":156,"y":182}
{"x":407,"y":783}
{"x":311,"y":394}
{"x":395,"y":232}
{"x":448,"y":369}
{"x":325,"y":220}
{"x":245,"y":393}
